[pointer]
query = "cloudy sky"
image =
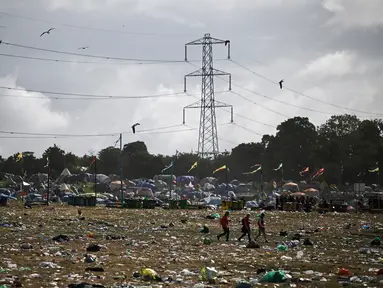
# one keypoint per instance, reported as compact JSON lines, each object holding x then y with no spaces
{"x":328,"y":50}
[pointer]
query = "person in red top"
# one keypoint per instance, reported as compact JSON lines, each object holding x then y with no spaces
{"x":225,"y":226}
{"x":246,"y":228}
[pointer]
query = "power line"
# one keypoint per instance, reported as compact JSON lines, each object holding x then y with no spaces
{"x":86,"y":62}
{"x":247,"y":129}
{"x":305,"y":95}
{"x":93,"y":28}
{"x":228,"y":141}
{"x":82,"y":136}
{"x":260,"y":105}
{"x":91,"y":56}
{"x":239,"y":115}
{"x":282,"y":102}
{"x":86,"y":96}
{"x":55,"y":135}
{"x":99,"y":97}
{"x":35,"y":135}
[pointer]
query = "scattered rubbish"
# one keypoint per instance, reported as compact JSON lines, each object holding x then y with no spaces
{"x":209,"y":274}
{"x":61,"y":238}
{"x":95,"y":269}
{"x":252,"y":245}
{"x":376,"y":242}
{"x":282,"y":247}
{"x":26,"y":246}
{"x":307,"y":242}
{"x":205,"y":229}
{"x":274,"y":277}
{"x":344,"y":272}
{"x":149,"y":275}
{"x":93,"y":248}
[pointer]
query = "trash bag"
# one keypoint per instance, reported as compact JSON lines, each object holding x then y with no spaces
{"x":149,"y":274}
{"x":376,"y":242}
{"x":209,"y":273}
{"x":282,"y":247}
{"x":205,"y":229}
{"x":274,"y":277}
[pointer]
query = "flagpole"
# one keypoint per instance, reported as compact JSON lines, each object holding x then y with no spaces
{"x":22,"y":173}
{"x":121,"y":172}
{"x":95,"y":177}
{"x":282,"y":172}
{"x":48,"y":184}
{"x":171,"y":180}
{"x":262,"y":182}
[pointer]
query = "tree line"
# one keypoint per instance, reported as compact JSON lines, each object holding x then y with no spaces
{"x":345,"y":146}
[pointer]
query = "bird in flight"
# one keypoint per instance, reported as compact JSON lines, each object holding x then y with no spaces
{"x":47,"y":32}
{"x":134,"y":127}
{"x":281,"y":83}
{"x":83,"y":48}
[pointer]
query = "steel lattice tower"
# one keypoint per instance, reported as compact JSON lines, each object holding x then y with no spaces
{"x":208,"y":135}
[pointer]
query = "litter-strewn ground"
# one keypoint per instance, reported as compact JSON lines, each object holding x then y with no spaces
{"x":170,"y":242}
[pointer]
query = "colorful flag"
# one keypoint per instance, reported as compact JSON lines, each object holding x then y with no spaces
{"x":254,"y":171}
{"x":19,"y":157}
{"x":193,"y":166}
{"x":376,"y":170}
{"x":304,"y":171}
{"x":319,"y":172}
{"x":279,"y":167}
{"x":115,"y":143}
{"x":167,"y":167}
{"x":220,"y":168}
{"x":94,"y":160}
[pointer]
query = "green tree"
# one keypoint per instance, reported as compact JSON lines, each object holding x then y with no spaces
{"x":56,"y":158}
{"x":109,"y":161}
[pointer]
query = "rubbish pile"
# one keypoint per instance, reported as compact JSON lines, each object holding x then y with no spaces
{"x":106,"y":247}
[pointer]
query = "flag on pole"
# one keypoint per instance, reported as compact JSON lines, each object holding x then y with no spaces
{"x":279,"y":167}
{"x":319,"y":172}
{"x":254,"y":171}
{"x":47,"y":165}
{"x":19,"y":157}
{"x":220,"y":168}
{"x":94,"y":160}
{"x":167,"y":167}
{"x":304,"y":171}
{"x":193,"y":166}
{"x":115,"y":143}
{"x":376,"y":170}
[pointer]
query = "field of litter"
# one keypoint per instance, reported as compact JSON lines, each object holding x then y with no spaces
{"x":47,"y":247}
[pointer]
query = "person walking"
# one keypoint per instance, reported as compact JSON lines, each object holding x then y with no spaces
{"x":224,"y":221}
{"x":246,"y":228}
{"x":261,"y":226}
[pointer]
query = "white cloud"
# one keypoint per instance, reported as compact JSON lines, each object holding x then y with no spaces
{"x":355,"y":13}
{"x":29,"y":113}
{"x":340,"y":63}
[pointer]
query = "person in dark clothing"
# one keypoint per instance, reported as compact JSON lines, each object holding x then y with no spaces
{"x":246,"y":228}
{"x":225,"y":226}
